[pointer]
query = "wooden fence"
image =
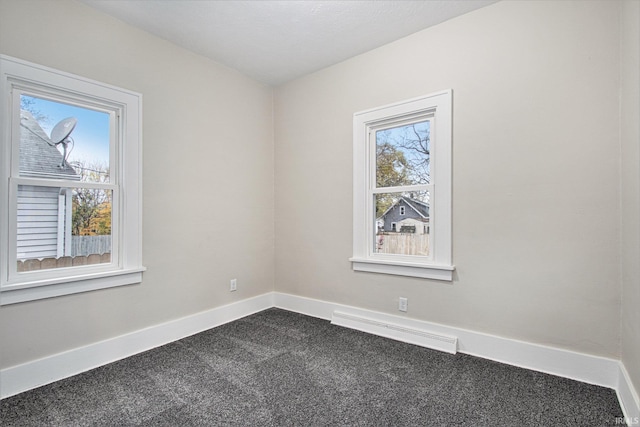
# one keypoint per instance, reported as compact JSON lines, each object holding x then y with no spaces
{"x":85,"y":250}
{"x":402,"y":243}
{"x":88,"y":245}
{"x":65,"y":261}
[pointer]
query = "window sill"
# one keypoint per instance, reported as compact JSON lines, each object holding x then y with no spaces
{"x":31,"y":291}
{"x":424,"y":271}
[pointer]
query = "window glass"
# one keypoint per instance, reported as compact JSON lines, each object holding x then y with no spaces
{"x":63,"y":226}
{"x":402,"y":223}
{"x":56,"y":230}
{"x":403,"y":155}
{"x":63,"y":141}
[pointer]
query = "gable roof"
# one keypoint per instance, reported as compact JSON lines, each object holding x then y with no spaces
{"x":38,"y":155}
{"x":421,"y":208}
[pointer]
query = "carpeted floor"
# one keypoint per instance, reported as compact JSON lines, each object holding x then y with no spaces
{"x":278,"y":368}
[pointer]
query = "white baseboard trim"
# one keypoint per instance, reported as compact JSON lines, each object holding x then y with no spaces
{"x":578,"y":366}
{"x":17,"y":379}
{"x":628,"y":397}
{"x":595,"y":370}
{"x":590,"y":369}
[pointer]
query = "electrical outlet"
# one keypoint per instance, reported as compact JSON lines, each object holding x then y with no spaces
{"x":233,"y":285}
{"x":402,"y":304}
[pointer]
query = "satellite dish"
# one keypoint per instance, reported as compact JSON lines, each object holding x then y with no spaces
{"x":63,"y":129}
{"x":60,"y":135}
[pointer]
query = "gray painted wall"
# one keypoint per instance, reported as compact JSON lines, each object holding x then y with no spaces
{"x":202,"y":123}
{"x":536,"y":145}
{"x":630,"y":174}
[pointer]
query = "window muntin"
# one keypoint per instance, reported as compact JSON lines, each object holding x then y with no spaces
{"x":402,"y":158}
{"x":67,"y":188}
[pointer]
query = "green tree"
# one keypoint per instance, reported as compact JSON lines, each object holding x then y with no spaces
{"x":101,"y":223}
{"x":392,"y":169}
{"x":391,"y":166}
{"x":91,"y":206}
{"x":403,"y":157}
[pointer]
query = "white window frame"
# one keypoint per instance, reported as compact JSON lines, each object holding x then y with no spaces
{"x":437,"y":108}
{"x":402,"y":210}
{"x":17,"y":76}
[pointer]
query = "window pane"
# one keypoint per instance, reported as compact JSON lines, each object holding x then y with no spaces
{"x":61,"y":227}
{"x":403,"y":155}
{"x":402,"y":223}
{"x":63,"y":141}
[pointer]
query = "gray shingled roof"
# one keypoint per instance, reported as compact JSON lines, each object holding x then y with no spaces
{"x":37,"y":157}
{"x":420,"y":207}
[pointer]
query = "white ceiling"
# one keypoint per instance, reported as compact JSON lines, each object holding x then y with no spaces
{"x":278,"y":41}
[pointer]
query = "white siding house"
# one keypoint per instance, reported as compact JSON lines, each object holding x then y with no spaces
{"x":44,"y":213}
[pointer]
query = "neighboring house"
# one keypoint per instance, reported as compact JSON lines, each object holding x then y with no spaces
{"x":44,"y":213}
{"x":407,"y":215}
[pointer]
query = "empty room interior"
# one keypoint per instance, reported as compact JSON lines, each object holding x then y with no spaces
{"x":237,"y":190}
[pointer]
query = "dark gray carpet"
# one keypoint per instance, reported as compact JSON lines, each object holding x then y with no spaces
{"x":278,"y":368}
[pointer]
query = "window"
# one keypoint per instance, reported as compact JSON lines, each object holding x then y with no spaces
{"x":71,"y":188}
{"x":402,"y":185}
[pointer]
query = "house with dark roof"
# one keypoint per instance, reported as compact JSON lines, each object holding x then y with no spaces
{"x":44,"y":213}
{"x":407,"y":215}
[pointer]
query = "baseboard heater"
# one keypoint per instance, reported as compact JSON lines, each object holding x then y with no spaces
{"x":400,"y":333}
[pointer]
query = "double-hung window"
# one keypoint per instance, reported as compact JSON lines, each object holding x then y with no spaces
{"x":70,"y":216}
{"x":402,"y":188}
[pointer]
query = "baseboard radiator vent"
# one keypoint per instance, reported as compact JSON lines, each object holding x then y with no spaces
{"x":419,"y":337}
